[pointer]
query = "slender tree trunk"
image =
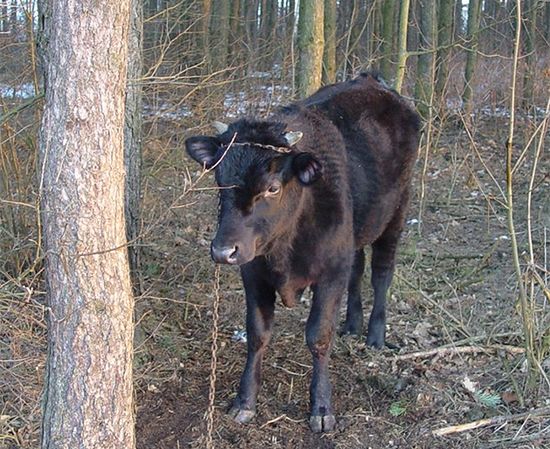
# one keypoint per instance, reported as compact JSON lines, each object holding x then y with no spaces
{"x":4,"y":17}
{"x":474,"y":12}
{"x":132,"y":134}
{"x":310,"y":46}
{"x":234,"y":19}
{"x":402,"y":46}
{"x":444,"y":36}
{"x":388,"y":29}
{"x":529,"y":22}
{"x":424,"y":65}
{"x":219,"y":31}
{"x":236,"y":32}
{"x":88,"y":385}
{"x":290,"y":17}
{"x":205,"y":32}
{"x":13,"y":16}
{"x":329,"y":52}
{"x":251,"y":14}
{"x":458,"y":20}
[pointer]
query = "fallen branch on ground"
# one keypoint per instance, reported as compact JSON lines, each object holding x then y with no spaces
{"x":490,"y":422}
{"x":458,"y":350}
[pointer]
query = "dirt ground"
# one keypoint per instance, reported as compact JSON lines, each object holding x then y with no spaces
{"x":454,"y":292}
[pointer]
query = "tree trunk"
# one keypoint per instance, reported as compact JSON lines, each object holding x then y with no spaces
{"x":310,"y":46}
{"x":88,"y":384}
{"x":13,"y":16}
{"x":205,"y":33}
{"x":529,"y":23}
{"x":402,"y":46}
{"x":474,"y":12}
{"x":444,"y":36}
{"x":388,"y":27}
{"x":219,"y":30}
{"x":424,"y":65}
{"x":458,"y":20}
{"x":329,"y":52}
{"x":132,"y":134}
{"x":4,"y":17}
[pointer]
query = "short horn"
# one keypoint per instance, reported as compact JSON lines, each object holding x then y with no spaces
{"x":220,"y":127}
{"x":293,"y":137}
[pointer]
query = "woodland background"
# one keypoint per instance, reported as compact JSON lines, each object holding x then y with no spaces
{"x":471,"y":290}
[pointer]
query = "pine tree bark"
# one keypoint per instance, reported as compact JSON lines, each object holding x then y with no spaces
{"x":88,"y":385}
{"x":329,"y":51}
{"x":310,"y":46}
{"x":132,"y":133}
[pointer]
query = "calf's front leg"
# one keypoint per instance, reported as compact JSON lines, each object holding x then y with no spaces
{"x":320,"y":329}
{"x":260,"y":307}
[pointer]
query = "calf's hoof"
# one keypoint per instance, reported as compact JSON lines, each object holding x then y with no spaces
{"x":351,"y":328}
{"x":240,"y":415}
{"x":322,"y":423}
{"x":375,"y":342}
{"x":376,"y":335}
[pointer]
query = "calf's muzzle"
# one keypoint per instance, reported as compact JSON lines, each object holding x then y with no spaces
{"x":224,"y":254}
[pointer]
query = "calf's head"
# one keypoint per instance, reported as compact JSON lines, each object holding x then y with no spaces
{"x":261,"y":179}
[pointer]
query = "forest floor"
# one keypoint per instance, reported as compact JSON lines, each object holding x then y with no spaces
{"x":453,"y":299}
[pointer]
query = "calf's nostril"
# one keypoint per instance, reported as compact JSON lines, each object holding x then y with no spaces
{"x":224,"y":254}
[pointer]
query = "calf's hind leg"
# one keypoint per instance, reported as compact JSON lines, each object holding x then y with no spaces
{"x":354,"y":314}
{"x":260,"y":307}
{"x":383,"y":265}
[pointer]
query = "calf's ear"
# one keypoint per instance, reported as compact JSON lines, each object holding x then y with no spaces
{"x":307,"y":168}
{"x":203,"y":149}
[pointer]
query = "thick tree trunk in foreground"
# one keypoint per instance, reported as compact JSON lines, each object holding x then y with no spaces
{"x":310,"y":47}
{"x":88,"y":385}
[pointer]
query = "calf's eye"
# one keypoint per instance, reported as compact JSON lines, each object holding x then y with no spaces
{"x":273,"y":189}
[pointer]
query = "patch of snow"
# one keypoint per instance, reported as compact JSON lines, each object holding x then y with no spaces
{"x":167,"y":111}
{"x":239,"y":336}
{"x":454,"y":104}
{"x":23,"y":91}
